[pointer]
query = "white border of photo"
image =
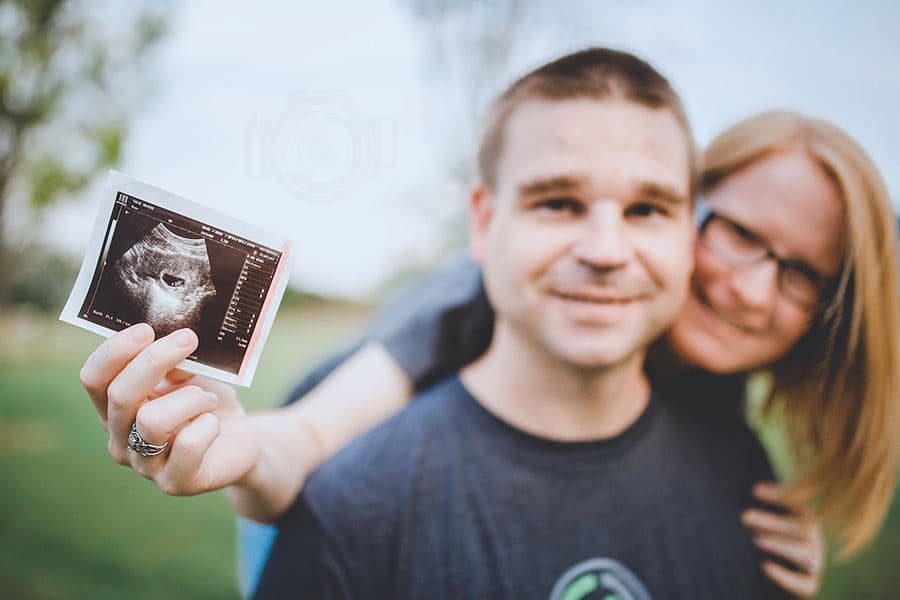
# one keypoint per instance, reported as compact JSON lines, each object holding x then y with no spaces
{"x":119,"y":183}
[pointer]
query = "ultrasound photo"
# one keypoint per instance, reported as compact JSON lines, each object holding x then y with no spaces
{"x":164,"y":279}
{"x":150,"y":262}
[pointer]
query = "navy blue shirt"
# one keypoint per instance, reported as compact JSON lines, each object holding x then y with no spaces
{"x":445,"y":500}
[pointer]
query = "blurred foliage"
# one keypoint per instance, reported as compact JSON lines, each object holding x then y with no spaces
{"x":71,"y":73}
{"x":39,"y":277}
{"x":49,"y":178}
{"x":467,"y":46}
{"x":294,"y":298}
{"x":466,"y":50}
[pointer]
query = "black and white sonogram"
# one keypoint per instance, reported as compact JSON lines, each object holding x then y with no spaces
{"x":164,"y":279}
{"x":150,"y":262}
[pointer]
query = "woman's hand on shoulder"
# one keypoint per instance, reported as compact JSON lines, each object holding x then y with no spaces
{"x":792,"y":535}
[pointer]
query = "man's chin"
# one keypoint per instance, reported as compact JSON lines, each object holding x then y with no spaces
{"x":593,"y":356}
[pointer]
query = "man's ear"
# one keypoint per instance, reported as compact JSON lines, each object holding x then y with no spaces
{"x":481,"y":210}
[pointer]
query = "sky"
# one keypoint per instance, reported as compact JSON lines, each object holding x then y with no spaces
{"x":339,"y":125}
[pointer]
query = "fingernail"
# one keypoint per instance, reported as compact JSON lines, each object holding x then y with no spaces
{"x":213,"y":399}
{"x":184,"y":337}
{"x":140,"y":332}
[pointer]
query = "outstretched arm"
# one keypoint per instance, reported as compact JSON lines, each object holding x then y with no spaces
{"x":210,"y":443}
{"x":360,"y":393}
{"x":263,"y":459}
{"x":433,"y":330}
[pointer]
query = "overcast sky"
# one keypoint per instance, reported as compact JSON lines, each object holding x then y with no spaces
{"x":331,"y":122}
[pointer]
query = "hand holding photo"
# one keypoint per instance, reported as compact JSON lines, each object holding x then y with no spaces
{"x":157,"y":258}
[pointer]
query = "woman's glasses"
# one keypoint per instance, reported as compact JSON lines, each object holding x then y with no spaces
{"x":741,"y":248}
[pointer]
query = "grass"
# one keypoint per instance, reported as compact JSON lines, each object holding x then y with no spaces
{"x":873,"y":574}
{"x":74,"y":525}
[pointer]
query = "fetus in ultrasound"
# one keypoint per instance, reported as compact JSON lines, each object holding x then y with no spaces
{"x":165,"y":280}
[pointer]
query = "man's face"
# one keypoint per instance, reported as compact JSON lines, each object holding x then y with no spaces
{"x":586,"y":241}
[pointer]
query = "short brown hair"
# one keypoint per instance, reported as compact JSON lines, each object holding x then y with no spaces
{"x":596,"y":73}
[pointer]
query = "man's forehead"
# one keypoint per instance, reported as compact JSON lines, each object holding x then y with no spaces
{"x":595,"y":115}
{"x":588,"y":138}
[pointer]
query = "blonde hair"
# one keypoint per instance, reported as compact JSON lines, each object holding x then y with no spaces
{"x":836,"y":392}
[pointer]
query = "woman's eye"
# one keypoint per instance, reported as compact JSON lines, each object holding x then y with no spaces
{"x":743,"y":232}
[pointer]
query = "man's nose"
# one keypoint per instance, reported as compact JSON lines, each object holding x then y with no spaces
{"x":756,"y":286}
{"x":604,"y":241}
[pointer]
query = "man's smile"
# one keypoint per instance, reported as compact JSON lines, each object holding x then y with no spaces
{"x":593,"y":297}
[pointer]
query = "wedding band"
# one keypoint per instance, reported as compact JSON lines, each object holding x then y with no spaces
{"x":136,"y":443}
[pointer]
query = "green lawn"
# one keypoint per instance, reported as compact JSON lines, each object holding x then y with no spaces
{"x":75,"y":525}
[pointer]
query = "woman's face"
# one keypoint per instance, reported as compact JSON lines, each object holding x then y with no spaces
{"x":738,"y":315}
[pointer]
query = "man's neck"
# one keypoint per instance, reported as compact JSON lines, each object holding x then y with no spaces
{"x":538,"y":393}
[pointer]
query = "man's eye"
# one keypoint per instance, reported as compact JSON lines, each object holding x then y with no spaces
{"x":560,"y":205}
{"x":646,"y":209}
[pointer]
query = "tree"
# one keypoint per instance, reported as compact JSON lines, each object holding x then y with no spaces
{"x":467,"y":48}
{"x":69,"y":78}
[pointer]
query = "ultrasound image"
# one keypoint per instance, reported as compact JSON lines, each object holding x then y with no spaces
{"x":159,"y":267}
{"x":164,"y":279}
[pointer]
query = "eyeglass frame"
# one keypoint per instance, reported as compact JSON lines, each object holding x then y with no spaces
{"x":704,"y":214}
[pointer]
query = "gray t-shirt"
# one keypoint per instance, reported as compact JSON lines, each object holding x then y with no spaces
{"x":447,"y":501}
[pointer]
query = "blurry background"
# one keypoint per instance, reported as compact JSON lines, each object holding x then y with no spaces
{"x":350,"y":128}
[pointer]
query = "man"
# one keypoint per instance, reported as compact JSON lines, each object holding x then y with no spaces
{"x":548,"y":468}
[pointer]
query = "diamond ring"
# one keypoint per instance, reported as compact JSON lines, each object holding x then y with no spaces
{"x":136,"y":443}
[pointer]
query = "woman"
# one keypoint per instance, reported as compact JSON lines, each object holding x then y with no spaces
{"x":796,"y":275}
